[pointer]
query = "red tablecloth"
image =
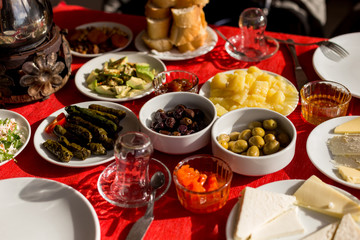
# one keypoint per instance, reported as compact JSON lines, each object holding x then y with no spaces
{"x":172,"y":221}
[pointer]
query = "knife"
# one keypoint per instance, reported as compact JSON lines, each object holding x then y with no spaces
{"x":301,"y":78}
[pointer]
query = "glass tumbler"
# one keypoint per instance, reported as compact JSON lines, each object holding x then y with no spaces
{"x":133,"y":151}
{"x":252,"y":23}
{"x":323,"y":100}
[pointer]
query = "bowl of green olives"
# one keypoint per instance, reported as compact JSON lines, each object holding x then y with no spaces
{"x":254,"y":141}
{"x":178,"y":122}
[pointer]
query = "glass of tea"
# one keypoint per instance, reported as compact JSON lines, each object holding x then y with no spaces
{"x":133,"y":151}
{"x":323,"y":100}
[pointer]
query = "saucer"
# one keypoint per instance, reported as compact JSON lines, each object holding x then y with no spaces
{"x":272,"y":48}
{"x":107,"y":177}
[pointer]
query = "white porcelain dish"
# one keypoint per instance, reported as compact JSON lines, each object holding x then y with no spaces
{"x":177,"y":144}
{"x":42,"y":209}
{"x":105,"y":24}
{"x":205,"y":88}
{"x":174,"y":54}
{"x":24,"y":128}
{"x":347,"y":70}
{"x":311,"y":220}
{"x":134,"y":57}
{"x":318,"y":152}
{"x":129,"y":123}
{"x":238,"y":120}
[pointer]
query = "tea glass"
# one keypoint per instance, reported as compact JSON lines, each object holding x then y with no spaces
{"x":133,"y":151}
{"x":323,"y":100}
{"x":252,"y":43}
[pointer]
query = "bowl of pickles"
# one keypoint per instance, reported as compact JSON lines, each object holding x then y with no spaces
{"x":254,"y":141}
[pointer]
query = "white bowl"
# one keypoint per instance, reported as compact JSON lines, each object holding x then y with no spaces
{"x":238,"y":120}
{"x":177,"y":144}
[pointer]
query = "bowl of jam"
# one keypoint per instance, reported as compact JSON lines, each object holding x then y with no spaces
{"x":175,"y":81}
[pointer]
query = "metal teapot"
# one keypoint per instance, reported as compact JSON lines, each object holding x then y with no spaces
{"x":24,"y":24}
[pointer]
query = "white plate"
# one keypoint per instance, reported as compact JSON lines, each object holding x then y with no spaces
{"x":41,"y":209}
{"x":134,"y":57}
{"x":129,"y":123}
{"x":205,"y":88}
{"x":347,"y":70}
{"x":318,"y":152}
{"x":311,"y":220}
{"x":105,"y":24}
{"x":174,"y":54}
{"x":24,"y":127}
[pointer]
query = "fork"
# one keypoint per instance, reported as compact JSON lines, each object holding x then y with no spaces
{"x":331,"y":50}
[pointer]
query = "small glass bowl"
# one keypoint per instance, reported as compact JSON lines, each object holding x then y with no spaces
{"x":175,"y":81}
{"x":208,"y":201}
{"x":323,"y":100}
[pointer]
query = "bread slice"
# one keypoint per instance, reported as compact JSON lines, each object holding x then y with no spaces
{"x":180,"y":36}
{"x":198,"y":41}
{"x":158,"y":28}
{"x":154,"y":12}
{"x":164,"y":3}
{"x":160,"y":45}
{"x":189,"y":3}
{"x":186,"y":17}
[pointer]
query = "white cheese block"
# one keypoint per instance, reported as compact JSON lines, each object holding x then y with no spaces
{"x":349,"y":174}
{"x":258,"y":207}
{"x":325,"y":233}
{"x":352,"y":161}
{"x":319,"y":196}
{"x":345,"y":145}
{"x":286,"y":224}
{"x":352,"y":126}
{"x":348,"y":229}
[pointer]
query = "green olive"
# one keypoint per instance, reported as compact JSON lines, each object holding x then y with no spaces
{"x":268,"y":137}
{"x":223,"y":137}
{"x":269,"y":124}
{"x":256,"y":141}
{"x":258,"y":131}
{"x":224,"y":144}
{"x":253,"y":151}
{"x":271,"y":147}
{"x":273,"y":132}
{"x":234,"y":136}
{"x":254,"y":124}
{"x":231,"y":145}
{"x":239,"y":146}
{"x":283,"y":138}
{"x":245,"y":134}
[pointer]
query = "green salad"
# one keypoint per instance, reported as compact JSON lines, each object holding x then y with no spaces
{"x":11,"y":138}
{"x":121,"y":79}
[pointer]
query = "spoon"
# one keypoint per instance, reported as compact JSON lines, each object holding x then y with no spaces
{"x":139,"y":229}
{"x":231,"y":44}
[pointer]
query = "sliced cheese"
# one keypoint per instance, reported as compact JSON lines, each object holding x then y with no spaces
{"x":348,"y":229}
{"x":325,"y":233}
{"x":345,"y":145}
{"x":258,"y":207}
{"x":319,"y":196}
{"x":352,"y":126}
{"x":349,"y":174}
{"x":286,"y":224}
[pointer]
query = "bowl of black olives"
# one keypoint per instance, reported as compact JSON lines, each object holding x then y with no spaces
{"x":178,"y":122}
{"x":254,"y":141}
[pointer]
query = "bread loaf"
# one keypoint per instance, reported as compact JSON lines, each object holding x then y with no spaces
{"x":161,"y":45}
{"x":186,"y":17}
{"x":154,"y":12}
{"x":158,"y":28}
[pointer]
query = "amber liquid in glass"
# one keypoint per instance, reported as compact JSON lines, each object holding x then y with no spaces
{"x":321,"y":107}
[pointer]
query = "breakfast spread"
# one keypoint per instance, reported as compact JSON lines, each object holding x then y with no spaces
{"x":252,"y":88}
{"x":120,"y":78}
{"x":260,"y":138}
{"x":179,"y":24}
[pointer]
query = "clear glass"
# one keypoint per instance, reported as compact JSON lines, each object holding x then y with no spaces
{"x":323,"y":100}
{"x":252,"y":42}
{"x":133,"y":151}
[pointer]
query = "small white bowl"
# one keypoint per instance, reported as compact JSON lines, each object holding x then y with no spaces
{"x":177,"y":144}
{"x":238,"y":120}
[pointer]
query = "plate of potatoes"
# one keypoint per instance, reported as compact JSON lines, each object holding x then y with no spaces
{"x":251,"y":87}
